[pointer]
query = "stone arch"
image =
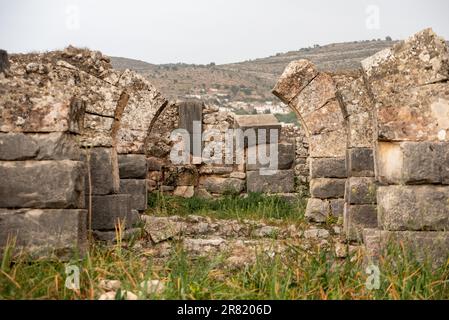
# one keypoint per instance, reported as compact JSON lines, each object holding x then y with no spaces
{"x":312,"y":95}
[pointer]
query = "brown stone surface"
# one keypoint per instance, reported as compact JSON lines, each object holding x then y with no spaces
{"x":328,"y":145}
{"x":295,"y":78}
{"x":325,"y":119}
{"x":319,"y":92}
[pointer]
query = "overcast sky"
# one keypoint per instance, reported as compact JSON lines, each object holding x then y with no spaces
{"x":203,"y":31}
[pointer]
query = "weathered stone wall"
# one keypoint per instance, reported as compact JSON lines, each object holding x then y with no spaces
{"x":392,"y":145}
{"x":409,"y":87}
{"x":64,"y":117}
{"x":313,"y":96}
{"x":215,"y":178}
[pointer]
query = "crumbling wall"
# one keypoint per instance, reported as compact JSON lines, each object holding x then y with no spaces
{"x":409,"y":86}
{"x":64,"y":117}
{"x":313,"y":96}
{"x":214,"y":178}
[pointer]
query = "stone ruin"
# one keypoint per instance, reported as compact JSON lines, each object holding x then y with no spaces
{"x":379,"y":144}
{"x":77,"y":137}
{"x":72,"y":136}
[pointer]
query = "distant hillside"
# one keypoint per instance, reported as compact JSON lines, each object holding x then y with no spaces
{"x":249,"y":81}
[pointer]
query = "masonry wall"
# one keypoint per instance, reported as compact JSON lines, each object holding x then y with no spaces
{"x":65,"y":117}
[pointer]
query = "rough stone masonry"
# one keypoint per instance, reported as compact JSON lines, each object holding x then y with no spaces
{"x":388,"y":137}
{"x":64,"y":118}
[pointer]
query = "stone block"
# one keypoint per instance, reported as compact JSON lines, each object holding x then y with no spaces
{"x":337,"y":207}
{"x":42,"y":184}
{"x":413,"y":162}
{"x":137,"y":189}
{"x":360,"y":130}
{"x":45,"y":233}
{"x":416,"y":114}
{"x":295,"y":78}
{"x":317,"y":210}
{"x":360,"y":162}
{"x":97,"y":131}
{"x":361,"y":191}
{"x":184,"y":191}
{"x":425,"y":247}
{"x":319,"y":92}
{"x":222,"y":185}
{"x":285,"y":157}
{"x":354,"y":98}
{"x":413,"y":208}
{"x":104,"y":171}
{"x":328,"y":168}
{"x":327,"y":118}
{"x":56,"y":111}
{"x":154,"y":164}
{"x":257,"y":129}
{"x":416,"y":62}
{"x":110,"y":210}
{"x":358,"y":217}
{"x":280,"y":181}
{"x":132,"y":166}
{"x":45,"y":146}
{"x":324,"y":188}
{"x":328,"y":144}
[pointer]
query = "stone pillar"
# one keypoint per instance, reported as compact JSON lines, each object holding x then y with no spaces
{"x":42,"y":208}
{"x":312,"y":95}
{"x":409,"y":85}
{"x":360,"y":210}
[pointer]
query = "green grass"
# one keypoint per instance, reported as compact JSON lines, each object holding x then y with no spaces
{"x":254,"y":206}
{"x":294,"y":275}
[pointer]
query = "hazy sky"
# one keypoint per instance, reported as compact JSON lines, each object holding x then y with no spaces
{"x":203,"y":31}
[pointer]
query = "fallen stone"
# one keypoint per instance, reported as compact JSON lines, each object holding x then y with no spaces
{"x":4,"y":61}
{"x":42,"y":184}
{"x":323,"y":188}
{"x":184,"y":191}
{"x":110,"y":210}
{"x":317,"y":210}
{"x":223,"y":185}
{"x":281,"y":181}
{"x":132,"y":166}
{"x":45,"y":233}
{"x":328,"y":168}
{"x":110,"y":285}
{"x":316,"y":234}
{"x":137,"y":189}
{"x":414,"y":208}
{"x":162,"y":228}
